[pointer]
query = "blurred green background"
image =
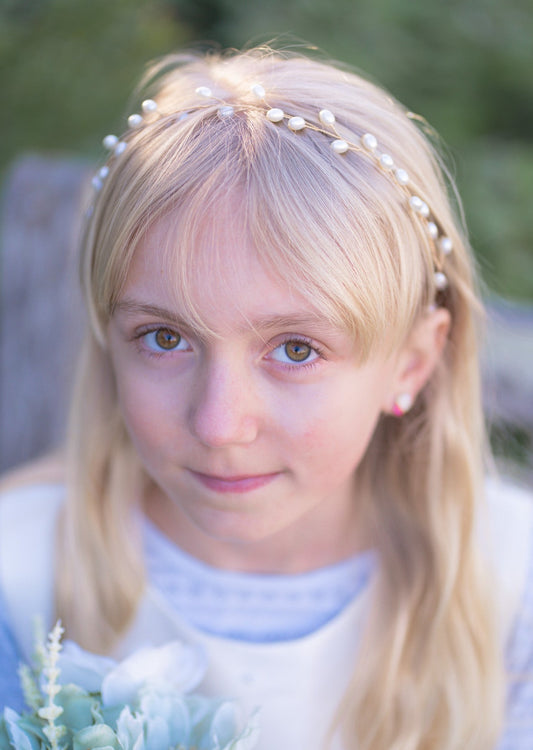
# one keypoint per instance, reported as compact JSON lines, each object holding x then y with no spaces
{"x":68,"y":67}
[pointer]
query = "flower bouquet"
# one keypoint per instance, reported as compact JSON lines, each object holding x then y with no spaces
{"x":80,"y":701}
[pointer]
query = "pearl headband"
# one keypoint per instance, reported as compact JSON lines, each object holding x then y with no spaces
{"x":366,"y":144}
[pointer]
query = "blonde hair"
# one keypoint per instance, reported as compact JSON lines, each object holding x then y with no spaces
{"x":429,"y":674}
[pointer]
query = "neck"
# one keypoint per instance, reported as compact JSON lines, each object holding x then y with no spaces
{"x":318,"y":540}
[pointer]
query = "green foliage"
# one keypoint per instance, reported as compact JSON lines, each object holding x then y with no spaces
{"x":68,"y":67}
{"x":512,"y":444}
{"x":496,"y":180}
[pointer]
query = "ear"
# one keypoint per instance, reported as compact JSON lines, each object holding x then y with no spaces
{"x":417,"y":359}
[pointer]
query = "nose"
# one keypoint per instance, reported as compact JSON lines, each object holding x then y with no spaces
{"x":224,"y":409}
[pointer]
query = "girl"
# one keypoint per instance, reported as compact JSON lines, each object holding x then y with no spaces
{"x":276,"y":440}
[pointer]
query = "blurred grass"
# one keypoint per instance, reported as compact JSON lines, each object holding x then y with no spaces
{"x":511,"y":443}
{"x":68,"y":66}
{"x":496,"y":180}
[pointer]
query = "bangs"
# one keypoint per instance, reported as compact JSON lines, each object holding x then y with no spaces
{"x":314,"y":218}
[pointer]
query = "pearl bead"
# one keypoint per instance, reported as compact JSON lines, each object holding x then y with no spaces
{"x":404,"y":401}
{"x":369,"y":141}
{"x":204,"y":91}
{"x":182,"y":116}
{"x":103,"y":172}
{"x":296,"y":123}
{"x":340,"y":147}
{"x":226,"y":111}
{"x":275,"y":115}
{"x":110,"y":141}
{"x":441,"y":282}
{"x":386,"y":161}
{"x":418,"y":205}
{"x":326,"y":117}
{"x":97,"y":183}
{"x":134,"y":121}
{"x":149,"y":106}
{"x":445,"y":245}
{"x":120,"y":148}
{"x":258,"y":91}
{"x":433,"y":230}
{"x":401,"y":176}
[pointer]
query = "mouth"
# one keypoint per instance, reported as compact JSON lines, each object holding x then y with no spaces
{"x":233,"y":484}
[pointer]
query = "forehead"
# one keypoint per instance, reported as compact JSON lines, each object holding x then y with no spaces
{"x":215,"y":277}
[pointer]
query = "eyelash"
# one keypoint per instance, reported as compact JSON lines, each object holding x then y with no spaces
{"x":303,"y":365}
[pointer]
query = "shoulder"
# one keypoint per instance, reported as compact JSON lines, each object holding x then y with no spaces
{"x":28,"y":510}
{"x":28,"y":519}
{"x":29,"y":495}
{"x":511,"y":510}
{"x":49,"y":469}
{"x":508,"y":523}
{"x":509,"y":505}
{"x":509,"y":531}
{"x":507,"y":537}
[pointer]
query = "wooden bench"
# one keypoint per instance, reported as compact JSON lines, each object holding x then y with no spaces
{"x":41,"y":311}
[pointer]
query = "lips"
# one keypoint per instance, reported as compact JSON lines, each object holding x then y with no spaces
{"x":234,"y":484}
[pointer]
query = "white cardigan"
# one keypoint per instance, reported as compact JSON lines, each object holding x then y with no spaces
{"x":297,"y":684}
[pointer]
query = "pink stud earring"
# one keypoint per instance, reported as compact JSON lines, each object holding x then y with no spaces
{"x":402,"y":404}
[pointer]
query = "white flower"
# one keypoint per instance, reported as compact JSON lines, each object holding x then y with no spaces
{"x":82,"y":668}
{"x":130,"y":731}
{"x":176,"y":665}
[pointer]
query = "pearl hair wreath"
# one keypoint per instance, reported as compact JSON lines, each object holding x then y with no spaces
{"x":366,"y":144}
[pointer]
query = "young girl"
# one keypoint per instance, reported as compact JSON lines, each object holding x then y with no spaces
{"x":276,"y":440}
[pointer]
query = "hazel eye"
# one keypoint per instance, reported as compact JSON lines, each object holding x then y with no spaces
{"x":167,"y":339}
{"x":297,"y":351}
{"x":294,"y":352}
{"x":164,"y":340}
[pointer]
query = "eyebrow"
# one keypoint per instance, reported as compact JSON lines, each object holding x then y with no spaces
{"x":261,"y":323}
{"x":131,"y":307}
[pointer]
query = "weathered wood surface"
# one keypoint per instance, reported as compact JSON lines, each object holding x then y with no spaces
{"x":42,"y":318}
{"x":508,"y":364}
{"x":41,"y":313}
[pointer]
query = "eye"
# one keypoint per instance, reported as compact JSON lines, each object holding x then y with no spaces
{"x":295,"y":351}
{"x":164,"y":340}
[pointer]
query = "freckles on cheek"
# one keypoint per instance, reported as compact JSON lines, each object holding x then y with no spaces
{"x":338,"y":437}
{"x":316,"y":435}
{"x":321,"y":440}
{"x":143,"y":412}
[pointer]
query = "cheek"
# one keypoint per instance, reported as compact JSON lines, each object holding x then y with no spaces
{"x":146,"y":412}
{"x":334,"y":428}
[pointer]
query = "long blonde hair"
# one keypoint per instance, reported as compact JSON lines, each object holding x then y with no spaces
{"x":429,"y":675}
